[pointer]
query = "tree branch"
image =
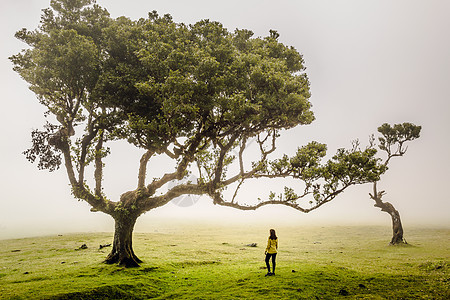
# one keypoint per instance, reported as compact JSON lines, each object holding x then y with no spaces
{"x":182,"y":166}
{"x":218,"y":199}
{"x":143,"y":168}
{"x":69,"y":166}
{"x":241,"y":151}
{"x":98,"y":173}
{"x":264,"y":154}
{"x":98,"y":203}
{"x":182,"y":189}
{"x":171,"y":155}
{"x":220,"y":161}
{"x":86,"y":142}
{"x":377,"y":198}
{"x":237,"y":189}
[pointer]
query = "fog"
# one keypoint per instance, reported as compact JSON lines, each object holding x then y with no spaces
{"x":369,"y":62}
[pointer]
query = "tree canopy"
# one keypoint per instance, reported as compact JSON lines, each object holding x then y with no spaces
{"x":195,"y":93}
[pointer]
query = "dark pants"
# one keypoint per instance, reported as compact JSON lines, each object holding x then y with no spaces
{"x":273,"y":255}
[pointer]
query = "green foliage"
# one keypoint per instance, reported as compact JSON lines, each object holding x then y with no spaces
{"x":399,"y":132}
{"x":48,"y":156}
{"x":354,"y":166}
{"x":305,"y":164}
{"x":197,"y":81}
{"x":395,"y":136}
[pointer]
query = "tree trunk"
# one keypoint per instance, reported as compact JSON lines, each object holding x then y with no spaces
{"x":397,"y":228}
{"x":122,"y":251}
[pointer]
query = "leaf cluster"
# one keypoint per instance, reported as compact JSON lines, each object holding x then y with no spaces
{"x":47,"y":155}
{"x":393,"y":138}
{"x":398,"y":133}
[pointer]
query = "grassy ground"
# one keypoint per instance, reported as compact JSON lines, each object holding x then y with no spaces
{"x":215,"y":263}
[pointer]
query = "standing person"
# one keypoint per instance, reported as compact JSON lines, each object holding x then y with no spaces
{"x":271,"y":251}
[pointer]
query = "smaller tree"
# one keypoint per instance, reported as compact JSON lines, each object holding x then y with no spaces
{"x":392,"y":142}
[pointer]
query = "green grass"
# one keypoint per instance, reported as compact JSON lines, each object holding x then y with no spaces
{"x":213,"y":263}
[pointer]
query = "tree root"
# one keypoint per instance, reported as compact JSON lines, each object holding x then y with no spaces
{"x":128,"y":261}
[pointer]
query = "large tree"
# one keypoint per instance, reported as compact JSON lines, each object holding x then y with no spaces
{"x":194,"y":93}
{"x":392,"y":142}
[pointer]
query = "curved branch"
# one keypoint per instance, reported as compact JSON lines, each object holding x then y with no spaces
{"x":68,"y":163}
{"x":143,"y":168}
{"x":86,"y":142}
{"x":157,"y":183}
{"x":182,"y":189}
{"x":217,"y":198}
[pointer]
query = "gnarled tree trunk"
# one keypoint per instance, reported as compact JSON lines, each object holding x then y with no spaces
{"x":122,"y":251}
{"x":397,"y":228}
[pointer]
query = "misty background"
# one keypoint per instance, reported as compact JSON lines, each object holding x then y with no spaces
{"x":369,"y":62}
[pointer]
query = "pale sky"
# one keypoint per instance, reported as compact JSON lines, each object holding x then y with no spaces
{"x":369,"y":62}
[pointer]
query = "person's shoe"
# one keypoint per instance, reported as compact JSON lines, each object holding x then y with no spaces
{"x":268,"y":274}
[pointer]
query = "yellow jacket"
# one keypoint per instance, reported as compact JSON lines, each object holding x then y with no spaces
{"x":272,"y":246}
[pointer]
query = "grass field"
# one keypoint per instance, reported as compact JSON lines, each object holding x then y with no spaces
{"x":213,"y":262}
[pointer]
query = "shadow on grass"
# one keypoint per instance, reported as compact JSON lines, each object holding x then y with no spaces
{"x":120,"y":291}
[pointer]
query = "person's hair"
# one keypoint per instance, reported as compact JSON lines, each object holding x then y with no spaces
{"x":273,"y":235}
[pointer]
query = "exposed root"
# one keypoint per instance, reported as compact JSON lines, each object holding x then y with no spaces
{"x":128,"y":261}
